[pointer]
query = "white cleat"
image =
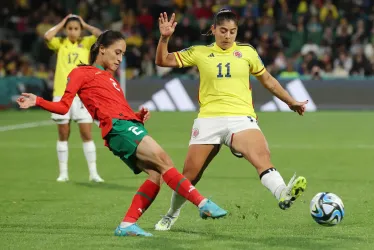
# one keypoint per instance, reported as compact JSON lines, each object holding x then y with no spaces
{"x":294,"y":190}
{"x":63,"y":178}
{"x":165,"y":223}
{"x":96,"y":178}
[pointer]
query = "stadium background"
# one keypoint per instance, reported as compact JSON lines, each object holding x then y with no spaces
{"x":318,"y":50}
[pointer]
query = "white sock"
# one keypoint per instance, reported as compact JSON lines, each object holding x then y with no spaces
{"x":62,"y":155}
{"x":89,"y":150}
{"x":125,"y":224}
{"x":273,"y":181}
{"x":177,"y":203}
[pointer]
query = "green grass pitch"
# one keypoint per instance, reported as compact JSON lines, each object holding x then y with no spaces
{"x":333,"y":150}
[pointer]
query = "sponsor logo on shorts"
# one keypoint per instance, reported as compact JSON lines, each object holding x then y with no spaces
{"x":195,"y":132}
{"x":237,"y":53}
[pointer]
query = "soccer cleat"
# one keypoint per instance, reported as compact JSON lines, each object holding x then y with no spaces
{"x":96,"y":178}
{"x":133,"y":230}
{"x":165,"y":223}
{"x":211,"y":210}
{"x":63,"y":178}
{"x":294,"y":190}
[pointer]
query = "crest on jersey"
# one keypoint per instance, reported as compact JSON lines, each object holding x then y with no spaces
{"x":195,"y":132}
{"x":238,"y":54}
{"x":80,"y":45}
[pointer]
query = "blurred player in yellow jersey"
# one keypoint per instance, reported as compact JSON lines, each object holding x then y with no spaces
{"x":226,"y":112}
{"x":71,"y":51}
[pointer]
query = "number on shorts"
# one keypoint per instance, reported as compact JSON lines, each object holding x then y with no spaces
{"x":72,"y":57}
{"x":135,"y":130}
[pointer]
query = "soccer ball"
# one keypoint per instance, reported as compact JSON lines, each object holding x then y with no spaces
{"x":327,"y":209}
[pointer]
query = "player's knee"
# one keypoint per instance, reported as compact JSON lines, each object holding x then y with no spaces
{"x":164,"y":160}
{"x":86,"y":136}
{"x":155,"y":177}
{"x":63,"y":134}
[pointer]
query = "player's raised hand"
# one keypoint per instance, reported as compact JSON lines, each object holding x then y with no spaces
{"x":298,"y":107}
{"x":144,"y":114}
{"x":167,"y":27}
{"x":26,"y":100}
{"x":84,"y":24}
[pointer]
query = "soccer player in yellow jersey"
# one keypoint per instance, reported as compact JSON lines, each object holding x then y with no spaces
{"x":226,"y":112}
{"x":71,"y":51}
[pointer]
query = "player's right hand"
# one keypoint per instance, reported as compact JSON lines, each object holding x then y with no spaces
{"x":26,"y":100}
{"x":167,"y":27}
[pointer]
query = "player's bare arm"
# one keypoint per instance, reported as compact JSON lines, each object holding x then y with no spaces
{"x":269,"y":82}
{"x":52,"y":32}
{"x":93,"y":30}
{"x":167,"y":28}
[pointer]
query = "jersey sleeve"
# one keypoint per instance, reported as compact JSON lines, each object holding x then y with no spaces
{"x":75,"y":81}
{"x":88,"y":41}
{"x":186,"y":57}
{"x":256,"y":66}
{"x":54,"y":43}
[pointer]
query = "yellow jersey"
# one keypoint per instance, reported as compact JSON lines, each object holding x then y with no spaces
{"x":224,"y":89}
{"x":69,"y":55}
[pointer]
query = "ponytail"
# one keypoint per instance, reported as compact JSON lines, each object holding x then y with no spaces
{"x":94,"y":51}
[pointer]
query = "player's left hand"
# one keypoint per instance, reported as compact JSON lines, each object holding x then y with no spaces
{"x":26,"y":100}
{"x":298,"y":107}
{"x":84,"y":24}
{"x":144,"y":114}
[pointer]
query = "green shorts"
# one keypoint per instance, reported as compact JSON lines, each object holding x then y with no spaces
{"x":124,"y":139}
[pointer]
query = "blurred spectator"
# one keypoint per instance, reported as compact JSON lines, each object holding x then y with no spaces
{"x":319,"y":37}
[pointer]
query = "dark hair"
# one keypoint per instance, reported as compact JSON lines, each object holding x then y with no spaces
{"x":73,"y":18}
{"x":221,"y":16}
{"x":106,"y":39}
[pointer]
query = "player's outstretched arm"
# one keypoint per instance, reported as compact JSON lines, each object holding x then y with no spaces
{"x":52,"y":32}
{"x":167,"y":28}
{"x":269,"y":82}
{"x":28,"y":100}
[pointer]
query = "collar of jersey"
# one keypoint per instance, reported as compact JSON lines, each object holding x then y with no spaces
{"x":98,"y":66}
{"x":217,"y":48}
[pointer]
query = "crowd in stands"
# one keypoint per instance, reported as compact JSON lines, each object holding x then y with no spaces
{"x":315,"y":38}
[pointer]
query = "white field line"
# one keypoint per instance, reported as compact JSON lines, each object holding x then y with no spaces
{"x":290,"y":146}
{"x":99,"y":144}
{"x":25,"y":125}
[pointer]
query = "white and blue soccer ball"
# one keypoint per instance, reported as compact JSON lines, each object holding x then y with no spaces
{"x":327,"y":209}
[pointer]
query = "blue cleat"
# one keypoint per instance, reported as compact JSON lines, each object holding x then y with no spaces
{"x":133,"y":230}
{"x":211,"y":210}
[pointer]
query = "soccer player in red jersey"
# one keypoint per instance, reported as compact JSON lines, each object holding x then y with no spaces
{"x":123,"y":130}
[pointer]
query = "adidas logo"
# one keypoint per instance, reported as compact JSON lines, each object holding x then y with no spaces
{"x":172,"y":98}
{"x":211,"y":55}
{"x":297,"y":91}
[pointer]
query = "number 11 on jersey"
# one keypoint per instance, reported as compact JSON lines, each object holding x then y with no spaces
{"x":219,"y":66}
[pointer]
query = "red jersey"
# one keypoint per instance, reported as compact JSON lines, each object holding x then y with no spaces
{"x":100,"y":93}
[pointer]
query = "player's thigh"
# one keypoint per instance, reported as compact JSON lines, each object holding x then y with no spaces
{"x":197,"y":160}
{"x":151,"y":153}
{"x":85,"y":131}
{"x":253,"y":145}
